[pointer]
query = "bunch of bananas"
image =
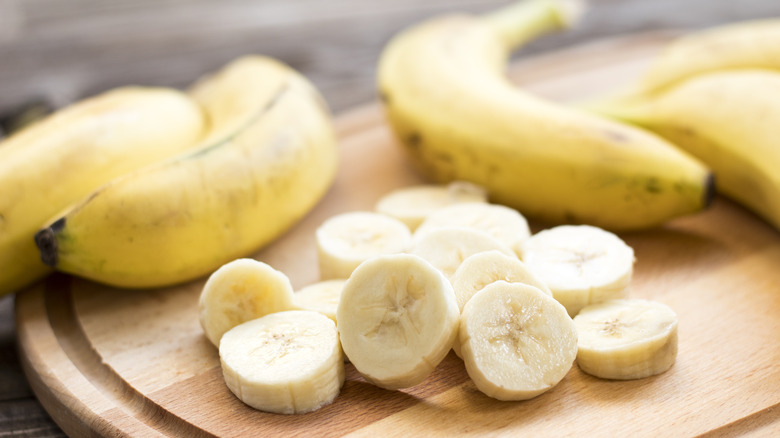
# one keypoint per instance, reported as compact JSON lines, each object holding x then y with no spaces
{"x":147,"y":187}
{"x":716,"y":95}
{"x":707,"y":110}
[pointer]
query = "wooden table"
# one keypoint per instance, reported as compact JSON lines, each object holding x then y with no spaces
{"x":60,"y":51}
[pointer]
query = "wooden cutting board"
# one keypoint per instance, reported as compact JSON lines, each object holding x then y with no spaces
{"x":116,"y":362}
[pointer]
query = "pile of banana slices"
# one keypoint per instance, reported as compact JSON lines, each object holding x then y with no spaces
{"x":435,"y":268}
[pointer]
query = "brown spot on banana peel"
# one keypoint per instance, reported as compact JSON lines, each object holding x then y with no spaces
{"x":413,"y":141}
{"x":686,"y":133}
{"x":46,"y":241}
{"x":652,"y":185}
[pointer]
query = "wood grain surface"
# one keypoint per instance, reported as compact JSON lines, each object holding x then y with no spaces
{"x":115,"y":362}
{"x":62,"y":50}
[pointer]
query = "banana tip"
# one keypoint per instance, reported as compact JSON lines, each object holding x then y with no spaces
{"x":709,"y":190}
{"x":46,"y":241}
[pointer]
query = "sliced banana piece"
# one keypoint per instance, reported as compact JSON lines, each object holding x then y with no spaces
{"x":484,"y":268}
{"x":447,"y":247}
{"x":505,"y":224}
{"x":411,"y":205}
{"x":397,"y":319}
{"x":517,"y":342}
{"x":322,"y":297}
{"x":581,"y":264}
{"x":626,"y":339}
{"x":239,"y":291}
{"x":287,"y":362}
{"x":346,"y":240}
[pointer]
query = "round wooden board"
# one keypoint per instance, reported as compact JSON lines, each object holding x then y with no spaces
{"x":115,"y":362}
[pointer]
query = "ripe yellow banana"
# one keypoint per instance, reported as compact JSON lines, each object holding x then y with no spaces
{"x":729,"y":120}
{"x":749,"y":44}
{"x":62,"y":158}
{"x":444,"y":90}
{"x":272,"y":156}
{"x":716,"y":94}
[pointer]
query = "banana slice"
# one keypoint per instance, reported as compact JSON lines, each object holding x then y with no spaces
{"x":447,"y":247}
{"x":346,"y":240}
{"x":287,"y":362}
{"x":581,"y":264}
{"x":411,"y":205}
{"x":517,"y":342}
{"x":322,"y":297}
{"x":484,"y":268}
{"x":505,"y":224}
{"x":397,"y":319}
{"x":626,"y":339}
{"x":239,"y":291}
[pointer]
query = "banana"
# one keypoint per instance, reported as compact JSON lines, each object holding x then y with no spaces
{"x":346,"y":240}
{"x":239,"y":291}
{"x":447,"y":247}
{"x":322,"y":296}
{"x":581,"y":264}
{"x":269,"y":159}
{"x":62,"y":158}
{"x":743,"y":45}
{"x":729,"y":120}
{"x":397,"y":319}
{"x":445,"y":94}
{"x":516,"y":341}
{"x":626,"y":339}
{"x":484,"y":268}
{"x":506,"y":225}
{"x":411,"y":205}
{"x":287,"y":362}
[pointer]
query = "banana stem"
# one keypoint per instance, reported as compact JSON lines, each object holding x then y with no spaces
{"x":525,"y":20}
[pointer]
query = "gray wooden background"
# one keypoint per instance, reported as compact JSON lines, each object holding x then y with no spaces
{"x":62,"y":50}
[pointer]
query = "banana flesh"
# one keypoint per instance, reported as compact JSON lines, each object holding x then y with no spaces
{"x":397,"y":319}
{"x":348,"y":239}
{"x":626,"y":339}
{"x":516,"y":341}
{"x":62,"y":158}
{"x":240,"y":291}
{"x":287,"y":362}
{"x":458,"y":117}
{"x":270,"y":157}
{"x":505,"y":224}
{"x":412,"y":205}
{"x":581,"y":264}
{"x":484,"y":268}
{"x":322,"y":296}
{"x":446,"y":248}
